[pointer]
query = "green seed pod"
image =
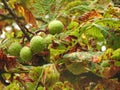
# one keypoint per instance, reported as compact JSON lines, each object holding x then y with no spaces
{"x":37,"y":44}
{"x":55,"y":27}
{"x":25,"y":53}
{"x":14,"y":49}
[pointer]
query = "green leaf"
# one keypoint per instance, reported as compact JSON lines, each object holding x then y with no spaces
{"x":72,"y":25}
{"x":105,"y":63}
{"x":116,"y":54}
{"x":15,"y":85}
{"x":35,"y":72}
{"x":95,"y":32}
{"x":75,"y":33}
{"x":109,"y":22}
{"x":84,"y":28}
{"x":76,"y":68}
{"x":30,"y":86}
{"x":72,"y":4}
{"x":43,"y":7}
{"x":4,"y":43}
{"x":117,"y":63}
{"x":81,"y":8}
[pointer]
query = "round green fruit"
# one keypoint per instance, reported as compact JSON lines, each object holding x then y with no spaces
{"x":55,"y":27}
{"x":25,"y":53}
{"x":48,"y":39}
{"x":37,"y":44}
{"x":14,"y":49}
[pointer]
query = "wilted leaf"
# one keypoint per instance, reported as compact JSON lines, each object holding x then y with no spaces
{"x":7,"y":62}
{"x":110,"y":71}
{"x":27,"y":14}
{"x":90,"y":15}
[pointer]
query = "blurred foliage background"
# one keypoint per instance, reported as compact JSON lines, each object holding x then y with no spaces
{"x":85,"y":56}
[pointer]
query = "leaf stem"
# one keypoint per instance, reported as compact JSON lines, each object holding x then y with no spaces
{"x":38,"y":81}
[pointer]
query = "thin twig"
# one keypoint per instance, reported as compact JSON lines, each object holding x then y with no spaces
{"x":29,"y":31}
{"x":37,"y":31}
{"x":22,"y":40}
{"x":22,"y":27}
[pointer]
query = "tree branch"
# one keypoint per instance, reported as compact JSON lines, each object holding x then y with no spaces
{"x":22,"y":27}
{"x":4,"y":17}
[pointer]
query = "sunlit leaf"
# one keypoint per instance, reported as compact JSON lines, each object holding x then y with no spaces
{"x":95,"y":31}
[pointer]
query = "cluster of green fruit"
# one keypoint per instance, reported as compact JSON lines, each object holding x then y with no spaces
{"x":37,"y":43}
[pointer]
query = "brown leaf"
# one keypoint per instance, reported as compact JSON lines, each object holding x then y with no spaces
{"x":3,"y":58}
{"x":7,"y":61}
{"x":110,"y":71}
{"x":11,"y":62}
{"x":89,"y":15}
{"x":2,"y":24}
{"x":29,"y":18}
